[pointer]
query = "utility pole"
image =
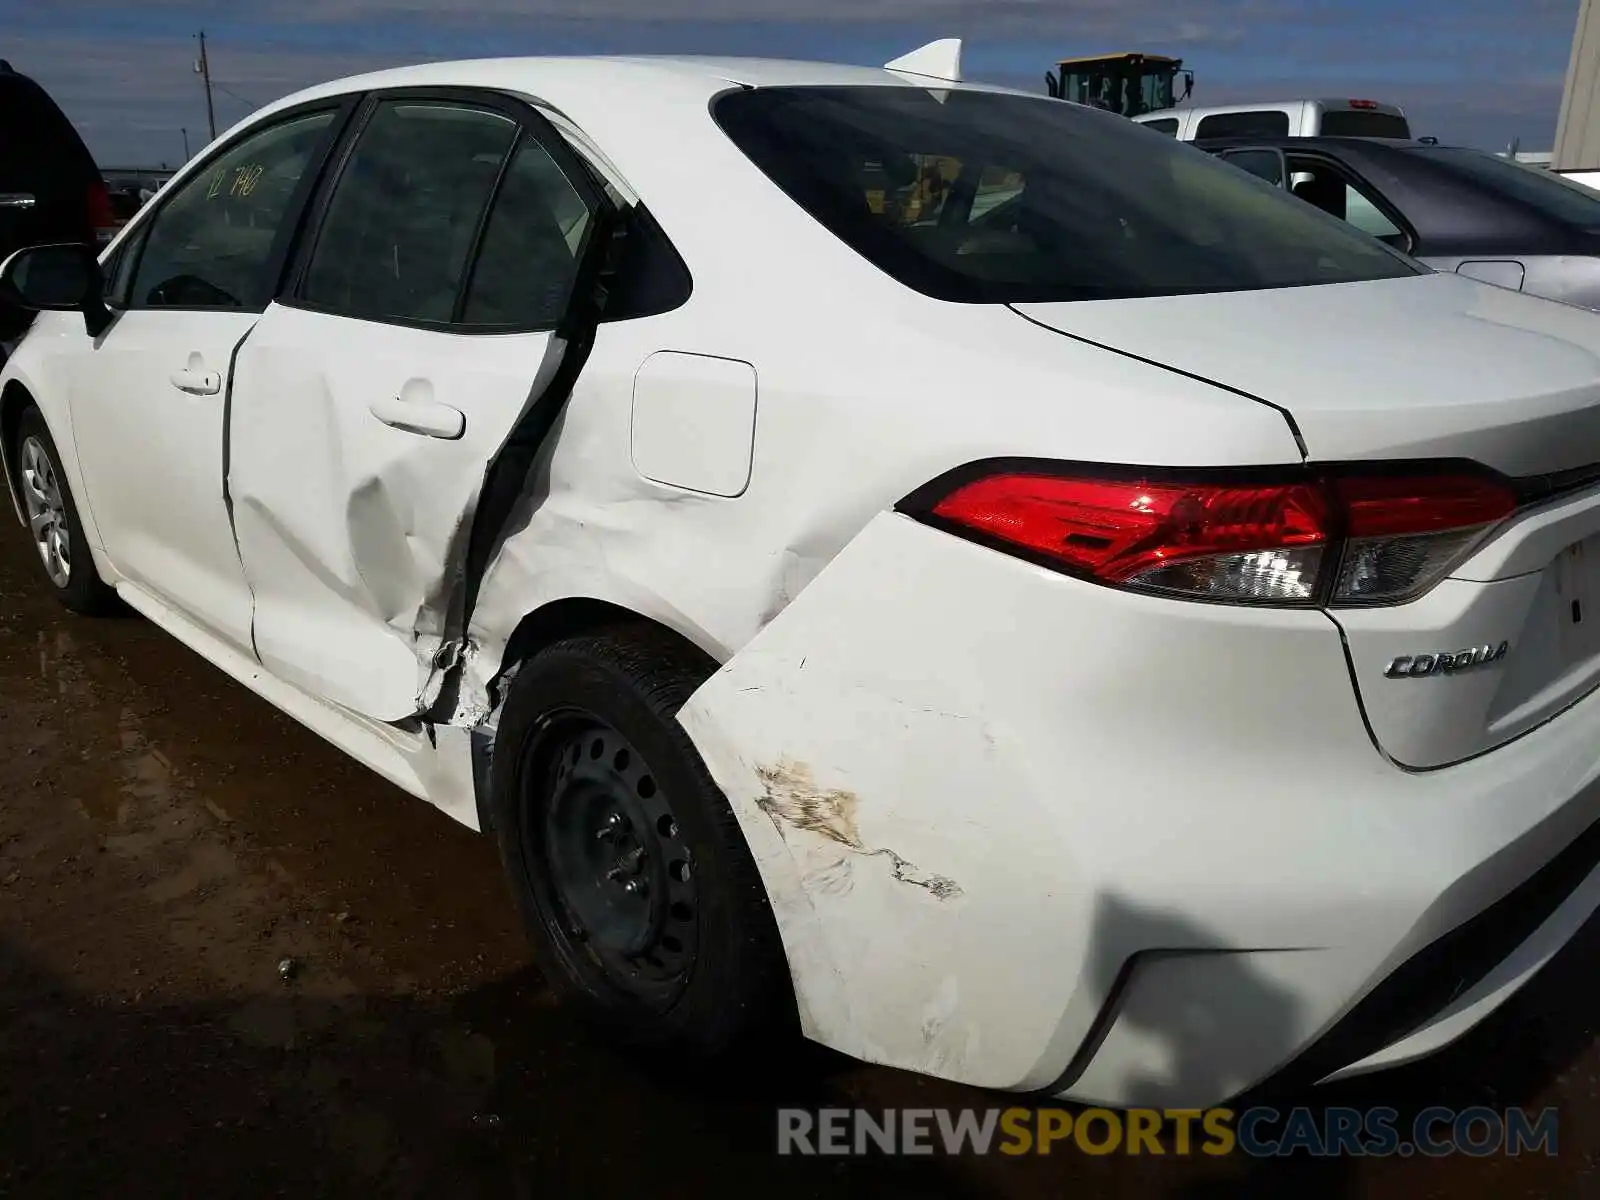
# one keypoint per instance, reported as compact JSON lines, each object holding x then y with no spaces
{"x":203,"y":68}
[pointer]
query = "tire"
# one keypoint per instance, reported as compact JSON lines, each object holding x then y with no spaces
{"x":60,"y":546}
{"x":658,"y":925}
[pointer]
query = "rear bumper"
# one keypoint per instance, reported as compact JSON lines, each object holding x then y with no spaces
{"x":1029,"y":833}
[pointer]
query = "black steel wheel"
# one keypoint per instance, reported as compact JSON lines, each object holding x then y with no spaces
{"x":630,"y":869}
{"x":612,"y":856}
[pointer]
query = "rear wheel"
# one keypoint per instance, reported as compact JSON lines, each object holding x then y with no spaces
{"x":630,"y":870}
{"x":53,"y":524}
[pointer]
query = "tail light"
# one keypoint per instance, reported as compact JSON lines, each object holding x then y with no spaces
{"x":1340,"y":540}
{"x":102,"y":219}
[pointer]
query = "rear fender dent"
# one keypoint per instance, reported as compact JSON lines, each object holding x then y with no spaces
{"x":890,"y":825}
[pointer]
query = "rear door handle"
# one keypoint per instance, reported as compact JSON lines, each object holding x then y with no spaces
{"x":16,"y":200}
{"x":197,"y":382}
{"x":427,"y":417}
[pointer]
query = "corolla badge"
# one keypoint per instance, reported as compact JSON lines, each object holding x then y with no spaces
{"x":1444,"y":662}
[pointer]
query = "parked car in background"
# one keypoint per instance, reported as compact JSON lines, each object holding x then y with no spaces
{"x":1456,"y":209}
{"x":1282,"y":118}
{"x":1104,"y":633}
{"x":50,"y":188}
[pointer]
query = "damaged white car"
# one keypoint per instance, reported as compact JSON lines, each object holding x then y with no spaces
{"x":1025,"y":599}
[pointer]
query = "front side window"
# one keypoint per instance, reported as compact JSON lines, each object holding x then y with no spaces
{"x":981,"y":197}
{"x":400,"y":223}
{"x":212,"y":243}
{"x":1166,"y":125}
{"x":1319,"y":183}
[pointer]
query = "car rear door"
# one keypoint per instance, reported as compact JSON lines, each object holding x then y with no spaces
{"x":385,"y":408}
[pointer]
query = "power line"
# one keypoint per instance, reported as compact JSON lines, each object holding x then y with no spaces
{"x":227,"y":91}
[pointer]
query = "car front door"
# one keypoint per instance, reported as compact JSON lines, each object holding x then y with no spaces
{"x":433,"y":320}
{"x":149,"y":400}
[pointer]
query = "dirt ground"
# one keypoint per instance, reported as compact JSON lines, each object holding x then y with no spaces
{"x":167,"y":839}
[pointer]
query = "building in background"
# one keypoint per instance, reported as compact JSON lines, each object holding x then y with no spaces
{"x":1578,"y":133}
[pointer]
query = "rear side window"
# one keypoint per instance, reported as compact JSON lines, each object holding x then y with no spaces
{"x":212,"y":244}
{"x":1266,"y":123}
{"x":532,"y":246}
{"x":1339,"y":122}
{"x":981,"y":197}
{"x":401,"y":221}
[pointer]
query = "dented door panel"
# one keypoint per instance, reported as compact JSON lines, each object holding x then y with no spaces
{"x":347,"y":523}
{"x":394,"y":405}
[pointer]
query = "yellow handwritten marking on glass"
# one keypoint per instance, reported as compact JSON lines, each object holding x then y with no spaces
{"x":216,"y":183}
{"x":245,"y":179}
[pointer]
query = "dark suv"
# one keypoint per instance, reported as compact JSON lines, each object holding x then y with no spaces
{"x":50,"y":188}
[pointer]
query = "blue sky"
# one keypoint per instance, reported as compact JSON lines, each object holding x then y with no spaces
{"x":1478,"y":72}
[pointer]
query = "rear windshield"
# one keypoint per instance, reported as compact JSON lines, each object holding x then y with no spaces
{"x":1539,"y":189}
{"x":1269,"y":122}
{"x":981,"y":197}
{"x":1349,"y":122}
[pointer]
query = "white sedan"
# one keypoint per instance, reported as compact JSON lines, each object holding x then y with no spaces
{"x":1121,"y":644}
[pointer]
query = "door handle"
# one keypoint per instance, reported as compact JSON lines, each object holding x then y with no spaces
{"x":197,"y":382}
{"x":17,"y":200}
{"x":427,"y":417}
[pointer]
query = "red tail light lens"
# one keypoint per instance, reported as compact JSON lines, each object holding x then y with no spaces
{"x":102,"y":219}
{"x":1342,"y":540}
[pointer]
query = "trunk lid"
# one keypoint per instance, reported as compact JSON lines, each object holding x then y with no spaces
{"x":1437,"y":366}
{"x":1424,"y":367}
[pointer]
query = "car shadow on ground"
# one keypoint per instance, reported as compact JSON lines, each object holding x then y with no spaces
{"x":498,"y":1092}
{"x":491,"y":1093}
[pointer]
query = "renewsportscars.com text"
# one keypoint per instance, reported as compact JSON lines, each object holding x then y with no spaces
{"x":1256,"y":1132}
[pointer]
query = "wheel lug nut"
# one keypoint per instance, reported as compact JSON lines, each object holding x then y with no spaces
{"x":616,"y":825}
{"x":634,"y":887}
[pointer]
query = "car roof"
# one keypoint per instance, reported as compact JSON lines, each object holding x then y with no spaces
{"x":638,"y":77}
{"x":648,"y":117}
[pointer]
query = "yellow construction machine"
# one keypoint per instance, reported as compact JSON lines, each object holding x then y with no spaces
{"x":1129,"y":84}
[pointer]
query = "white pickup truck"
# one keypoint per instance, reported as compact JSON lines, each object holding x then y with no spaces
{"x":1286,"y":118}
